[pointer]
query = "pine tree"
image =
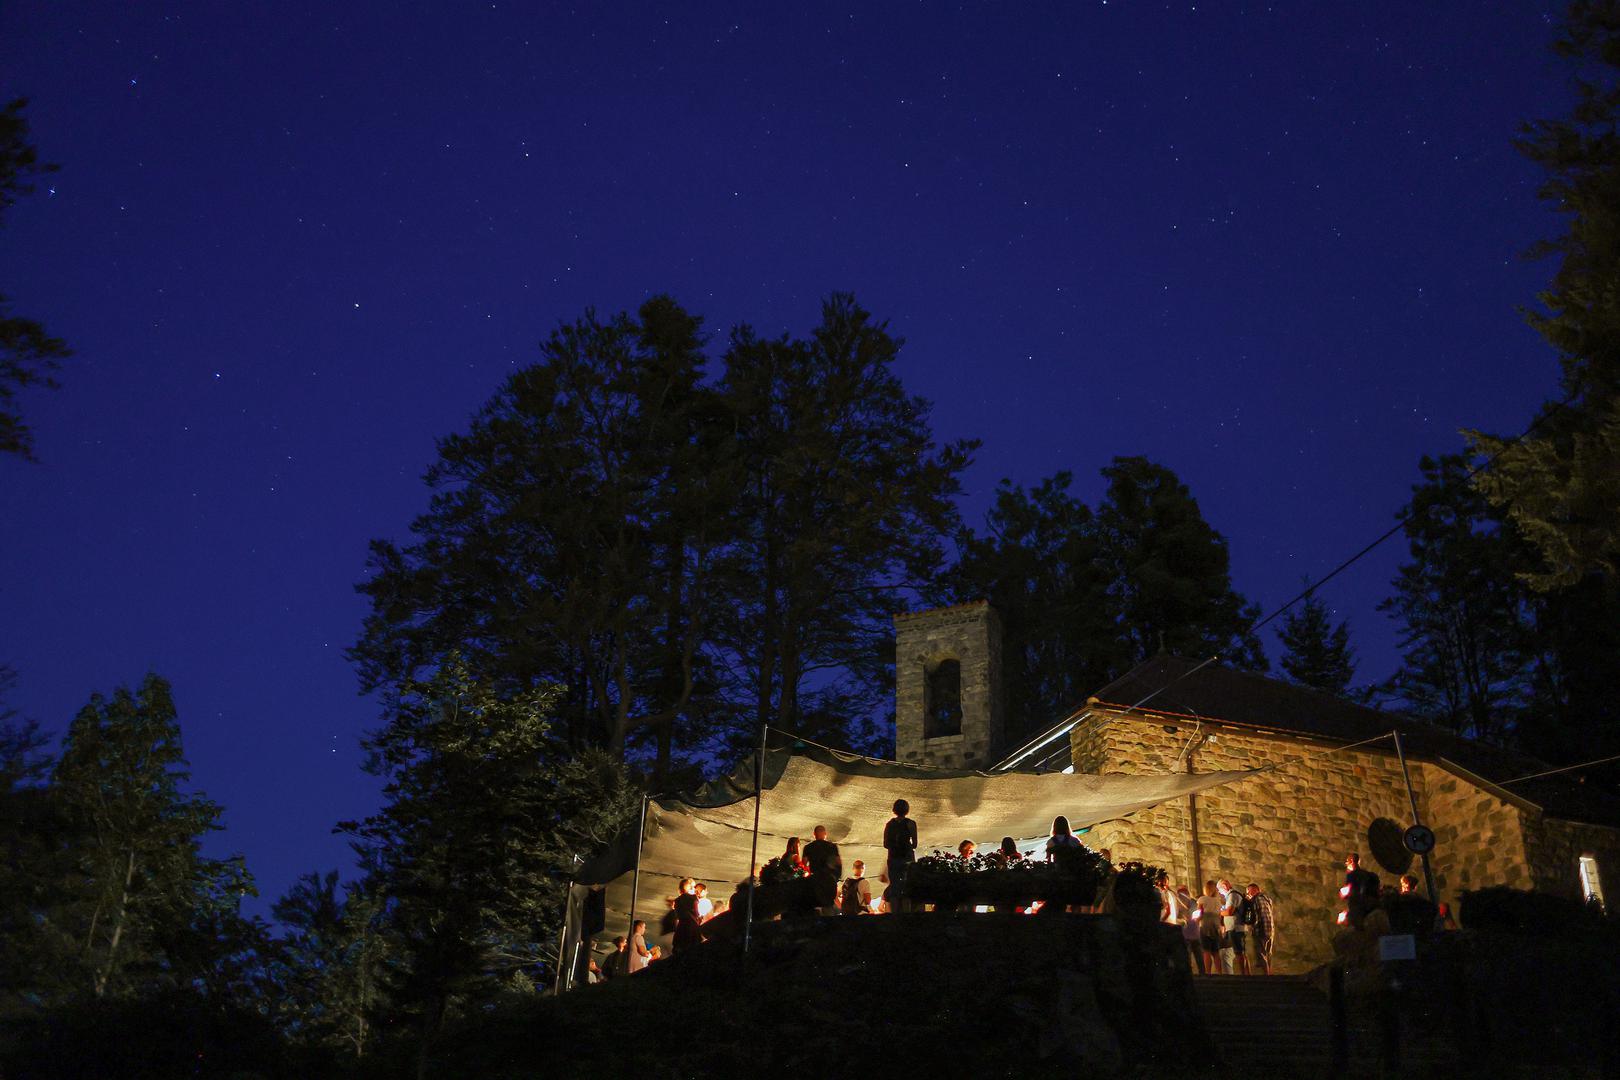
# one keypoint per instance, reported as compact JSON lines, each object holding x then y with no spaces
{"x":28,"y":355}
{"x":845,"y":504}
{"x":1561,"y":484}
{"x":1465,"y":622}
{"x":571,"y":540}
{"x":1170,"y":584}
{"x":1037,"y":565}
{"x":1317,"y":653}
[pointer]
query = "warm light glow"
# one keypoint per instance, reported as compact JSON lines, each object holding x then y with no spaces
{"x":982,"y":908}
{"x":1343,"y":915}
{"x":1344,"y":890}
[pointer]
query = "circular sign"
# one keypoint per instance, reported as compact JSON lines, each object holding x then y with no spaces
{"x":1419,"y":839}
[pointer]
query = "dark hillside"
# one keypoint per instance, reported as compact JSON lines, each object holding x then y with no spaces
{"x":927,"y":995}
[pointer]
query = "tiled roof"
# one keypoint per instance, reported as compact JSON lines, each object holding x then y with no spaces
{"x":1221,"y":694}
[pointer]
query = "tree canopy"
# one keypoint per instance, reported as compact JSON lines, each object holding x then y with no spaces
{"x":1560,"y":484}
{"x":1086,"y":595}
{"x":691,"y":555}
{"x":29,"y":356}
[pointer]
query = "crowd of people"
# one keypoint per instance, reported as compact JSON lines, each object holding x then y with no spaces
{"x":1226,"y":929}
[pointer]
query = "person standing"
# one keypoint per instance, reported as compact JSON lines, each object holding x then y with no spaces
{"x":900,"y":841}
{"x":826,"y":867}
{"x":1208,"y":914}
{"x":1241,"y":934}
{"x":1263,"y":933}
{"x":614,"y":965}
{"x":1229,"y":905}
{"x":856,"y":898}
{"x":1360,"y":890}
{"x":639,"y":956}
{"x":688,"y":927}
{"x":1189,"y":928}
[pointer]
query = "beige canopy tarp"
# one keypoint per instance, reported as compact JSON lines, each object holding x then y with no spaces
{"x":706,"y":834}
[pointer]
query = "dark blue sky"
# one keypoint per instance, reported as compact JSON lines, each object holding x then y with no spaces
{"x":1277,"y":249}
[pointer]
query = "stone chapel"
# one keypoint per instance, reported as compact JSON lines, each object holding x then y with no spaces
{"x":1287,"y":829}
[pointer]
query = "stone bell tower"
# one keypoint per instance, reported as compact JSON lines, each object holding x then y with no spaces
{"x":947,"y":709}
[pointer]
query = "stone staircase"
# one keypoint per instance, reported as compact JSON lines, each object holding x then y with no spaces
{"x":1267,"y":1026}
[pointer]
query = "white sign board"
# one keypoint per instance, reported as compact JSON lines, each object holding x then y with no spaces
{"x":1397,"y":947}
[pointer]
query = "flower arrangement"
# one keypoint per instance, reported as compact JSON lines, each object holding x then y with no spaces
{"x":944,"y":878}
{"x":780,"y":872}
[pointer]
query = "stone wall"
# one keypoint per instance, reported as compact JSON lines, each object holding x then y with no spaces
{"x":1479,"y":838}
{"x":971,"y":635}
{"x":1288,"y":829}
{"x":1555,"y":848}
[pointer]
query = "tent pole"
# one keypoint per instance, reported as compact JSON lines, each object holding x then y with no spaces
{"x":1428,"y":874}
{"x":562,"y":938}
{"x":635,"y":879}
{"x":753,"y":850}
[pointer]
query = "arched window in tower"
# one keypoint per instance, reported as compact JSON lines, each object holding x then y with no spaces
{"x":942,"y":699}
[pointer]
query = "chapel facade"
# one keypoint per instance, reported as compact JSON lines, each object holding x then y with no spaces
{"x":1288,"y":828}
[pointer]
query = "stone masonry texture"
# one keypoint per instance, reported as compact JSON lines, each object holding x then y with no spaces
{"x":1288,"y":829}
{"x":971,"y":635}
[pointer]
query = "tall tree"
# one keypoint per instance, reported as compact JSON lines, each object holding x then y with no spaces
{"x":1561,"y":485}
{"x":571,"y":538}
{"x":1038,"y":566}
{"x":1315,"y":652}
{"x":1084,"y":596}
{"x":28,"y":355}
{"x":145,"y":885}
{"x":478,"y":822}
{"x":36,"y":954}
{"x":334,"y":962}
{"x":1170,"y":583}
{"x":1465,"y":623}
{"x":845,"y":504}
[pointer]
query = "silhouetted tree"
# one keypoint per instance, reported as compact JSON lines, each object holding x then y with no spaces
{"x":844,"y":506}
{"x":480,"y":818}
{"x":1316,"y":652}
{"x":145,"y":890}
{"x":1037,"y":564}
{"x":571,"y":539}
{"x":28,"y":355}
{"x":1169,"y":573}
{"x":1561,"y":485}
{"x":1464,"y":619}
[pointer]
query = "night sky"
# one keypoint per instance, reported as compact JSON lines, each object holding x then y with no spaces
{"x":1277,"y":249}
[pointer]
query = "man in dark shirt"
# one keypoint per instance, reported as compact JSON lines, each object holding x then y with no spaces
{"x":900,"y":841}
{"x":826,"y":868}
{"x":1360,"y":890}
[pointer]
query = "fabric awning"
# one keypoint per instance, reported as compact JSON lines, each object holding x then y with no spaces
{"x":706,"y":834}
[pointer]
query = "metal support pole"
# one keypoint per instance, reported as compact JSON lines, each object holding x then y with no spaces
{"x":635,"y":879}
{"x":562,"y":939}
{"x":753,"y":851}
{"x":1428,"y":874}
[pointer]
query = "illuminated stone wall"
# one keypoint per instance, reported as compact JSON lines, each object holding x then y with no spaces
{"x":1289,"y":828}
{"x":971,"y":635}
{"x":1479,"y":838}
